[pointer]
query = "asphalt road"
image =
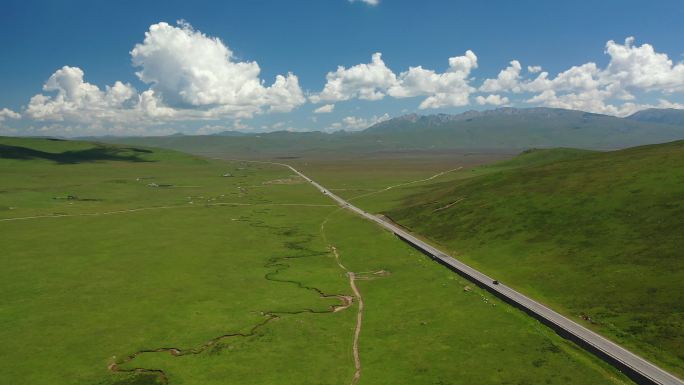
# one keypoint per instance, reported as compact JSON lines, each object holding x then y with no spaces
{"x":636,"y":367}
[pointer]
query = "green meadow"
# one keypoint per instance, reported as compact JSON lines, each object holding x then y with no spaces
{"x":597,"y":236}
{"x":126,"y":265}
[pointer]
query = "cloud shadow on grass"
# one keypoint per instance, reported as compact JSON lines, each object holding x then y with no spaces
{"x":95,"y":154}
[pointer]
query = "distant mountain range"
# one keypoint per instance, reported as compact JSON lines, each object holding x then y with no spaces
{"x":532,"y":127}
{"x":547,"y":117}
{"x":656,"y":115}
{"x":439,"y":120}
{"x":502,"y":128}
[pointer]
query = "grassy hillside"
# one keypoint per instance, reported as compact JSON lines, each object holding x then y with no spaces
{"x":124,"y":265}
{"x":598,"y":236}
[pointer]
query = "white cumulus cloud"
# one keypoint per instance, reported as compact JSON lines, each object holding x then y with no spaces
{"x":354,"y":123}
{"x":508,"y":79}
{"x":187,"y":68}
{"x":324,"y":109}
{"x":6,"y":113}
{"x":642,"y":67}
{"x":534,"y":69}
{"x":373,"y":81}
{"x":632,"y":70}
{"x":364,"y":81}
{"x":190,"y":75}
{"x":493,"y":99}
{"x":448,"y":89}
{"x":75,"y":99}
{"x":369,"y":2}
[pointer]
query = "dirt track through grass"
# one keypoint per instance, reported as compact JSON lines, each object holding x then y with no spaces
{"x":406,"y":183}
{"x":353,"y":277}
{"x":359,"y":317}
{"x":128,"y":211}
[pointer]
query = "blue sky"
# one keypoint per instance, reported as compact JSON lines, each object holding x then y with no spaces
{"x":76,"y":49}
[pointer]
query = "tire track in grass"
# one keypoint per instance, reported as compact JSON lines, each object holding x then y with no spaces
{"x":404,"y":184}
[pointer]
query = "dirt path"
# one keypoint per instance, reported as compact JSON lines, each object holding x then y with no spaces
{"x":357,"y":331}
{"x":359,"y":298}
{"x":126,"y":211}
{"x":129,"y":211}
{"x":353,"y":277}
{"x":449,"y":205}
{"x":405,"y":183}
{"x":359,"y":317}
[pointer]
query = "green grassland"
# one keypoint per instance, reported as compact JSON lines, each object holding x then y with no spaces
{"x":355,"y":177}
{"x":597,"y":236}
{"x":125,"y":265}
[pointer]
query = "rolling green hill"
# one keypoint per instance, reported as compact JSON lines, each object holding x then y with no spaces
{"x":597,"y":235}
